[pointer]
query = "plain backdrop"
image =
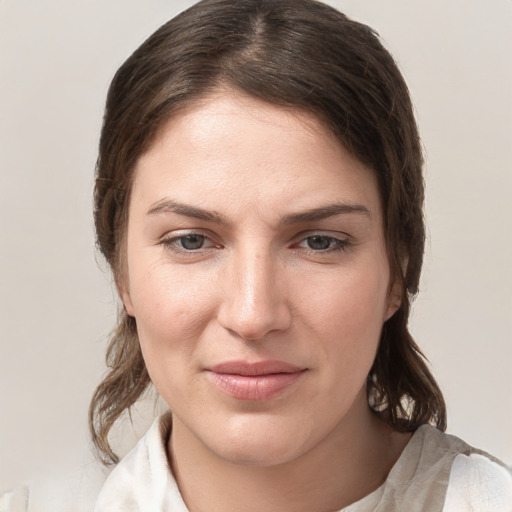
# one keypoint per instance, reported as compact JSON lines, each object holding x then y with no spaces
{"x":57,"y":304}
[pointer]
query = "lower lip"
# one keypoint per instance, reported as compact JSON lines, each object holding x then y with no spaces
{"x":254,"y":387}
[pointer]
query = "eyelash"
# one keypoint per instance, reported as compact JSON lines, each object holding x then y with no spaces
{"x":173,"y":244}
{"x":335,"y":244}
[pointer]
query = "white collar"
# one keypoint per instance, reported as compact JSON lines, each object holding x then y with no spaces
{"x":143,"y":479}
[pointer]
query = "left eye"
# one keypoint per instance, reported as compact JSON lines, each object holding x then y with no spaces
{"x":322,"y":243}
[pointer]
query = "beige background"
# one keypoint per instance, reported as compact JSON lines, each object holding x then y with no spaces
{"x":56,"y":60}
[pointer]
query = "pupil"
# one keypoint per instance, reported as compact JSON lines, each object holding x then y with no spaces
{"x":191,"y":242}
{"x":319,"y":242}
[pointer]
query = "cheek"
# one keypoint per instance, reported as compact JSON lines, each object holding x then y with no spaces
{"x":162,"y":294}
{"x":351,"y":297}
{"x":172,"y":314}
{"x":347,"y":311}
{"x":172,"y":310}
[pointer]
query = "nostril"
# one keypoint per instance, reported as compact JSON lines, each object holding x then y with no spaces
{"x":246,"y":337}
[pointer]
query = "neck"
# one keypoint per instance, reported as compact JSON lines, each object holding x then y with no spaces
{"x":352,"y":461}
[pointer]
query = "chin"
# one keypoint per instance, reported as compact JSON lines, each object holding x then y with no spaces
{"x":258,"y":443}
{"x":262,"y":454}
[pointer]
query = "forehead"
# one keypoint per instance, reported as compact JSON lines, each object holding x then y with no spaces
{"x":232,"y":145}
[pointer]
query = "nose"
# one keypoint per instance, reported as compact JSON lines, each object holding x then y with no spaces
{"x":254,"y":301}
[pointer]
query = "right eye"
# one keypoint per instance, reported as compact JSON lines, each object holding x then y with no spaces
{"x":191,"y":242}
{"x":188,"y":243}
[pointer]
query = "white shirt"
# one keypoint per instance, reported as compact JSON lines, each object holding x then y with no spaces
{"x":436,"y":472}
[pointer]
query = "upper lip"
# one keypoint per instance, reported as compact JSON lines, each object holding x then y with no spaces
{"x":245,"y":368}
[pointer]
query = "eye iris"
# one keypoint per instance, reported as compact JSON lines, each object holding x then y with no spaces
{"x":191,"y":242}
{"x":319,"y":243}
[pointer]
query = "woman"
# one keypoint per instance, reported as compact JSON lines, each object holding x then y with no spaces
{"x":259,"y":199}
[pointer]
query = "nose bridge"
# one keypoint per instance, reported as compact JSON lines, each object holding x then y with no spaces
{"x":256,"y":272}
{"x":254,"y":302}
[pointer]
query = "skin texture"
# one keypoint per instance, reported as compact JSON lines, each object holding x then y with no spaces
{"x":255,"y":281}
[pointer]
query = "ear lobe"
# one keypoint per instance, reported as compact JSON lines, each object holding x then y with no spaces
{"x":394,"y":300}
{"x":126,"y":299}
{"x":397,"y":289}
{"x":128,"y":305}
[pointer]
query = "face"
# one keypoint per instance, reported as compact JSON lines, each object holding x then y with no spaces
{"x":258,"y":277}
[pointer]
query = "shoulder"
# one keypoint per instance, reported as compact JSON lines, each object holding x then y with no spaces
{"x":141,"y":481}
{"x":15,"y":500}
{"x":476,"y":480}
{"x":76,"y":490}
{"x":479,"y":483}
{"x":439,"y":471}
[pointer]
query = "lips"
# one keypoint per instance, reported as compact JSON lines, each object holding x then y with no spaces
{"x":257,"y":381}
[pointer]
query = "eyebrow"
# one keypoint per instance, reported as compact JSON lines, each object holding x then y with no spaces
{"x":323,"y":212}
{"x":168,"y":205}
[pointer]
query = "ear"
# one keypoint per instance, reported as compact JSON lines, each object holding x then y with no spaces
{"x":123,"y":289}
{"x":394,"y":299}
{"x":396,"y":291}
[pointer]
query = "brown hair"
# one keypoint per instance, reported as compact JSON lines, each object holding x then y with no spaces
{"x":295,"y":53}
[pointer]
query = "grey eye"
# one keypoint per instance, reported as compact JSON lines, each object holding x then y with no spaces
{"x":192,"y":242}
{"x":320,"y":243}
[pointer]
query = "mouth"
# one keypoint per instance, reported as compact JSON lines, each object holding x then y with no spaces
{"x":258,"y":381}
